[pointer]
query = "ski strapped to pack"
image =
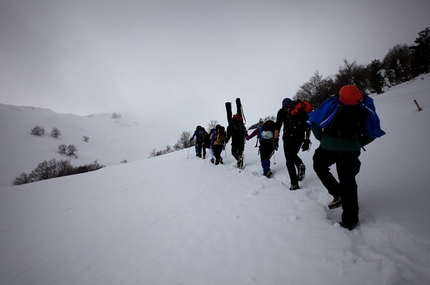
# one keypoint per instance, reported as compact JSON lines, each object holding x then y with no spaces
{"x":239,"y":108}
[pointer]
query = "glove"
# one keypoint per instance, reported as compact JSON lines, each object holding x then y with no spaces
{"x":276,"y":144}
{"x":306,"y":145}
{"x":191,"y":139}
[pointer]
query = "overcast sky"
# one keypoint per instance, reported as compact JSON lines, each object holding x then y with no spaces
{"x":172,"y":59}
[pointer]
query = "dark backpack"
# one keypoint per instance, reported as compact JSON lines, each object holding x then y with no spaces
{"x":267,"y":130}
{"x":348,"y":123}
{"x":208,"y":139}
{"x":238,"y":126}
{"x":220,"y":135}
{"x":299,"y":116}
{"x":201,"y":135}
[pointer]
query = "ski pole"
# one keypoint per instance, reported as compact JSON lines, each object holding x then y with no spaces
{"x":274,"y":158}
{"x":188,"y":152}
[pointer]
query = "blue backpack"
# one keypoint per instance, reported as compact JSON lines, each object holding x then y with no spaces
{"x":329,"y":109}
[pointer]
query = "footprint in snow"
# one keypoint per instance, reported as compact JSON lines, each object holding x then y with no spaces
{"x":258,"y":189}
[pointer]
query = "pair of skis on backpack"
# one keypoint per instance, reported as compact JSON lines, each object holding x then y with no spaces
{"x":239,"y":111}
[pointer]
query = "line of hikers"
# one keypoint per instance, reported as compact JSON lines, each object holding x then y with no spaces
{"x":343,"y":124}
{"x":217,"y":138}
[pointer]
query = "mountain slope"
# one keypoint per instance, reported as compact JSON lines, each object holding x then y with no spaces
{"x":178,"y":219}
{"x":110,"y":140}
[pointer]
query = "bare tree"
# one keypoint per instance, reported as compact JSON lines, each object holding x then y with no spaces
{"x":55,"y":133}
{"x":62,"y":149}
{"x":64,"y":167}
{"x":397,"y":61}
{"x":316,"y":90}
{"x":116,"y":116}
{"x":376,"y":78}
{"x":169,"y":149}
{"x":45,"y":170}
{"x":52,"y":168}
{"x":153,"y":153}
{"x":23,"y":178}
{"x":38,"y":131}
{"x":184,"y":140}
{"x":420,"y":53}
{"x":212,"y":125}
{"x":71,"y":149}
{"x":352,"y":73}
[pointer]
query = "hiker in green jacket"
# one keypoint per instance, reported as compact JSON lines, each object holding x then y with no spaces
{"x":340,"y":143}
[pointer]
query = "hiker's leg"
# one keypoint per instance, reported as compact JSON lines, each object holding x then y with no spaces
{"x":266,"y":149}
{"x":290,"y":157}
{"x":348,"y":166}
{"x":296,"y":144}
{"x":235,"y":151}
{"x":323,"y":159}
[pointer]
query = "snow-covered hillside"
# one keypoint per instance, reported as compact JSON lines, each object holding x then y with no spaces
{"x":110,"y":140}
{"x":178,"y":219}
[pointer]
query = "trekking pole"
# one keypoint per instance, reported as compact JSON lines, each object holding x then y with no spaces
{"x":274,"y":157}
{"x":188,"y":152}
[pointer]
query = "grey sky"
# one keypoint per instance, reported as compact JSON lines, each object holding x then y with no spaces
{"x":182,"y":60}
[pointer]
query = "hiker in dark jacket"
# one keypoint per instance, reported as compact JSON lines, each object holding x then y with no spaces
{"x":218,"y":141}
{"x":200,"y":134}
{"x":264,"y":133}
{"x":295,"y":132}
{"x":237,"y":132}
{"x":341,"y":141}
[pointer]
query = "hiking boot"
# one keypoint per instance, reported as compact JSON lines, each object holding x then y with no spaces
{"x":204,"y":156}
{"x":268,"y":174}
{"x":213,"y":160}
{"x":336,"y":203}
{"x":217,"y":161}
{"x":349,"y":226}
{"x":240,"y":162}
{"x":221,"y":161}
{"x":301,"y":172}
{"x":294,"y":187}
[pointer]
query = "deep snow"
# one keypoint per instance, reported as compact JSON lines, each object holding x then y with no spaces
{"x":178,"y":219}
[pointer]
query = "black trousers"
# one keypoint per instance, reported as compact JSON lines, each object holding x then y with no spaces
{"x":201,"y":147}
{"x":266,"y":151}
{"x":347,"y":166}
{"x":217,"y":149}
{"x":292,"y":144}
{"x":237,"y":149}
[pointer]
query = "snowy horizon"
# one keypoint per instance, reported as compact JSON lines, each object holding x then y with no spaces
{"x":178,"y":219}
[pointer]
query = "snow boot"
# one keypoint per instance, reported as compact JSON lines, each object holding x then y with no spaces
{"x":336,"y":203}
{"x":240,"y":162}
{"x":349,"y":226}
{"x":301,"y":172}
{"x":294,"y":187}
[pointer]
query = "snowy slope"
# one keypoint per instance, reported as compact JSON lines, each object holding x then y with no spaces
{"x":177,"y":219}
{"x":110,"y":140}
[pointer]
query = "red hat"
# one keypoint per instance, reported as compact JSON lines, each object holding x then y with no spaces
{"x":237,"y":117}
{"x":350,"y":95}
